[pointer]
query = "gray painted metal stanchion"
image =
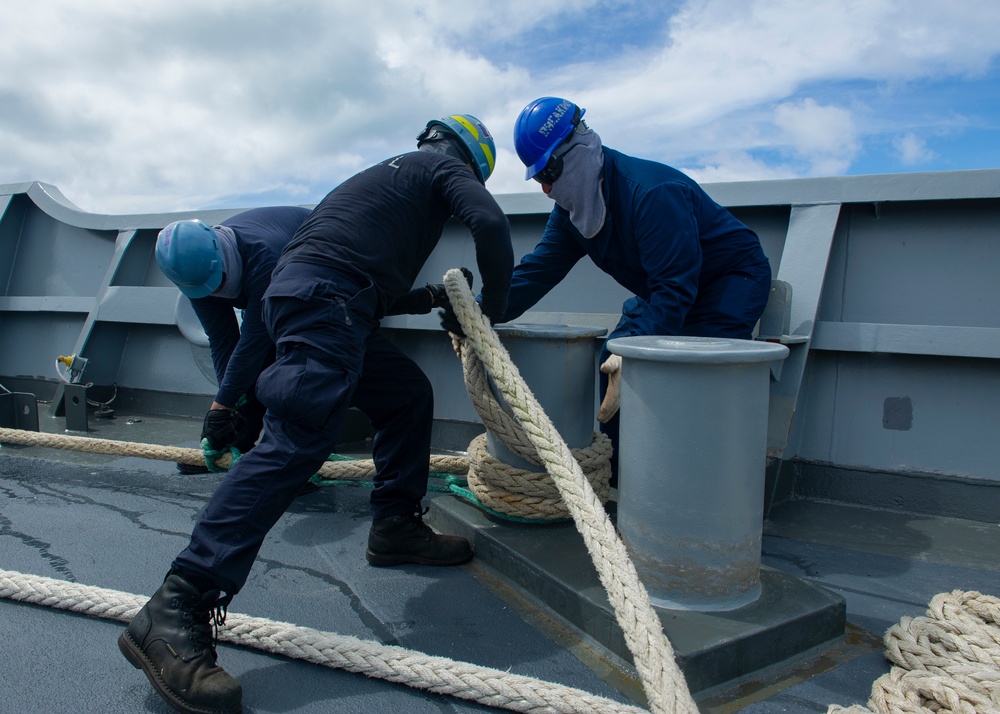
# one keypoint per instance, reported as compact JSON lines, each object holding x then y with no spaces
{"x":692,"y":455}
{"x":558,"y":363}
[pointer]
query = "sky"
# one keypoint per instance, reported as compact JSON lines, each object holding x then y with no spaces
{"x":170,"y":105}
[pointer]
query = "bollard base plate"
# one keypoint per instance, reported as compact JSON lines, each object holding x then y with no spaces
{"x":550,"y":563}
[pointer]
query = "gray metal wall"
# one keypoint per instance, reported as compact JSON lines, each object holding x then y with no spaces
{"x":894,"y":325}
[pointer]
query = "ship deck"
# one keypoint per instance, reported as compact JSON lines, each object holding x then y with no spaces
{"x":117,"y":522}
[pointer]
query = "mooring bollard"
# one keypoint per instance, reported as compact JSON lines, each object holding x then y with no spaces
{"x":692,"y":455}
{"x":558,"y":363}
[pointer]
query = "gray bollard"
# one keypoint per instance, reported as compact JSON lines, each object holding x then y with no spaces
{"x":691,"y":464}
{"x":558,"y":363}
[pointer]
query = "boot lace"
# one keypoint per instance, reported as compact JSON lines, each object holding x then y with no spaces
{"x":423,"y":531}
{"x":204,"y":616}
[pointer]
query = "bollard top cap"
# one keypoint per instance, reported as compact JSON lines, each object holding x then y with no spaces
{"x":704,"y":350}
{"x":539,"y":331}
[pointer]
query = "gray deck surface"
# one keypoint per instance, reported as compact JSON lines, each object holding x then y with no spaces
{"x":118,"y":522}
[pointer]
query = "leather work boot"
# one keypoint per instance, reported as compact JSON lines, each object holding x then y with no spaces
{"x":407,"y":539}
{"x":172,"y":641}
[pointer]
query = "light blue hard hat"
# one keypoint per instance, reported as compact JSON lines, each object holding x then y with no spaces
{"x":541,"y":127}
{"x":188,"y":252}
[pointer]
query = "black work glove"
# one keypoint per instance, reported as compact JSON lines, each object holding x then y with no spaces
{"x":421,"y":301}
{"x":439,"y":295}
{"x":222,"y":428}
{"x":418,"y":301}
{"x":449,"y":320}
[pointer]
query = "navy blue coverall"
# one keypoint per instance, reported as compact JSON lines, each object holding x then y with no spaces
{"x":693,"y":267}
{"x":360,"y":249}
{"x":241,"y":352}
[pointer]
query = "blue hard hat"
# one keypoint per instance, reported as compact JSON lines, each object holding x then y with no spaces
{"x":474,"y":136}
{"x":541,"y":127}
{"x":188,"y":252}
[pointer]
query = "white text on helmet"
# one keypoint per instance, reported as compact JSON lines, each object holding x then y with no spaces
{"x":557,"y":114}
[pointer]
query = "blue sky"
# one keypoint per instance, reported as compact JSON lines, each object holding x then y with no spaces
{"x":173,"y":105}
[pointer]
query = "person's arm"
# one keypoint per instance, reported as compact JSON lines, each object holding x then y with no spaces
{"x":475,"y":206}
{"x":219,"y":322}
{"x":251,"y":350}
{"x":669,"y":247}
{"x":544,"y":267}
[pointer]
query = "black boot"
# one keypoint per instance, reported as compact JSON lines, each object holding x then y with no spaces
{"x":172,"y":641}
{"x":407,"y":539}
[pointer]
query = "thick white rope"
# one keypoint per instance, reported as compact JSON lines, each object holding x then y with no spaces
{"x":945,"y":662}
{"x":487,"y":686}
{"x":662,"y":680}
{"x":353,"y":469}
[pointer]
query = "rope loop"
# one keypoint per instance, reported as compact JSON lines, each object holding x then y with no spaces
{"x":533,"y":495}
{"x":508,"y":490}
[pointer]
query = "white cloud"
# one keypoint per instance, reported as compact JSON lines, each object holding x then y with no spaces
{"x":824,"y":136}
{"x":723,"y":62}
{"x":166,"y":105}
{"x":912,"y":150}
{"x":171,"y":104}
{"x":737,"y":166}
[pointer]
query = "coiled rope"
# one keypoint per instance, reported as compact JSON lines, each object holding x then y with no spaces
{"x":531,"y":495}
{"x":511,"y":491}
{"x":947,"y":661}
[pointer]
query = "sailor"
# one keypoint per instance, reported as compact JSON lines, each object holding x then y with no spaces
{"x":694,"y":269}
{"x":222,"y":269}
{"x":359,"y":250}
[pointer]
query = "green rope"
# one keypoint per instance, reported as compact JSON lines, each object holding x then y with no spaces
{"x":211,"y":456}
{"x":457,"y":486}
